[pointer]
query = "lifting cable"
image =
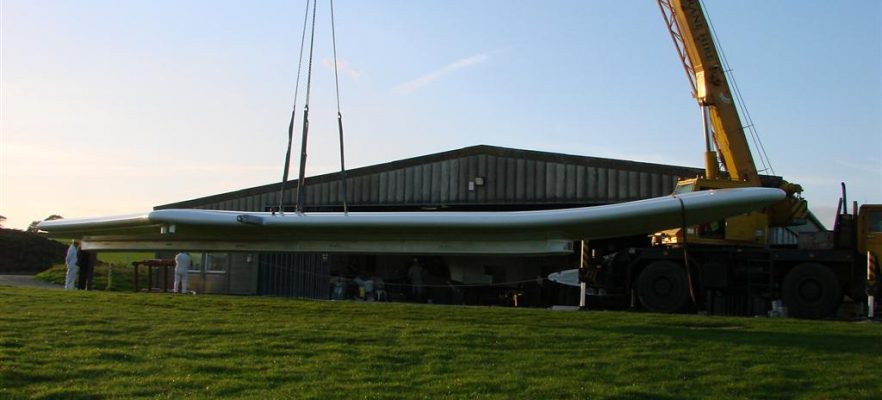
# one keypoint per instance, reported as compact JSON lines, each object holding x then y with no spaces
{"x":339,"y":115}
{"x":683,"y":228}
{"x":293,"y":114}
{"x":739,"y":99}
{"x":301,"y":195}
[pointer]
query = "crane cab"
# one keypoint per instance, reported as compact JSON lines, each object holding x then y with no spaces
{"x":751,"y":229}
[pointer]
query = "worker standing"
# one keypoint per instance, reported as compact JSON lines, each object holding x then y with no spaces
{"x":415,"y":273}
{"x":72,"y":268}
{"x":86,"y":261}
{"x":182,"y":270}
{"x":872,"y":286}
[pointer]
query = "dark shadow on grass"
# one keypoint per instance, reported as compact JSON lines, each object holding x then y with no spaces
{"x":230,"y":391}
{"x":69,"y":395}
{"x":8,"y":344}
{"x":275,"y":380}
{"x":825,"y":342}
{"x":641,"y":396}
{"x":216,"y":369}
{"x":205,"y":355}
{"x":118,"y":356}
{"x":782,"y":391}
{"x":11,"y":379}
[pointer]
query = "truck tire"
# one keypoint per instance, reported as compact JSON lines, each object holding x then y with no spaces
{"x":811,"y":290}
{"x":663,"y":287}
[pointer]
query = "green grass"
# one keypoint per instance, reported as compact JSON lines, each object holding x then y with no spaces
{"x":70,"y":345}
{"x":115,"y":267}
{"x":119,"y":275}
{"x":124,"y":258}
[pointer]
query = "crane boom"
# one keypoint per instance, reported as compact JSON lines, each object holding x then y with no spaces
{"x":698,"y":52}
{"x":694,"y":41}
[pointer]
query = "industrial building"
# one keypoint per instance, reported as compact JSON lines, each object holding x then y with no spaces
{"x":485,"y":178}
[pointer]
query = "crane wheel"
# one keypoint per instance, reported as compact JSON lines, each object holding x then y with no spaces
{"x":811,"y":290}
{"x":663,"y":287}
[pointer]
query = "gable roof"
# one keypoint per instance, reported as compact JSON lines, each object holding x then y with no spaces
{"x":511,"y":176}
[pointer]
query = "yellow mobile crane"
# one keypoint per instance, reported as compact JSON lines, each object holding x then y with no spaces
{"x":694,"y":40}
{"x":728,"y":267}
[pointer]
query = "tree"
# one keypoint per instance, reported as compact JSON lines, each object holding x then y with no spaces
{"x":2,"y":219}
{"x":33,"y":226}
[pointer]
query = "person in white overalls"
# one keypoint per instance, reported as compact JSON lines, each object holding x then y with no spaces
{"x":70,"y":280}
{"x":182,"y":270}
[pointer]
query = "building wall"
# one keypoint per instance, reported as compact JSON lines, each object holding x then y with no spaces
{"x":236,"y":273}
{"x":293,"y":275}
{"x":243,"y":273}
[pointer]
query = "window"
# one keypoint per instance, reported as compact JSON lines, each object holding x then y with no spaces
{"x":874,"y":221}
{"x":217,"y":263}
{"x":195,"y":262}
{"x":685,"y":188}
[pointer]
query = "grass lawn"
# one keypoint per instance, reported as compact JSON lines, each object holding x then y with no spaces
{"x":70,"y":345}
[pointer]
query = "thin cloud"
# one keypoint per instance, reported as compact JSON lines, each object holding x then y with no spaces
{"x":867,"y":166}
{"x":343,"y":67}
{"x":411,"y":86}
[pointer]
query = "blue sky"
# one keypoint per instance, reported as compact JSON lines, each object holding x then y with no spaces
{"x":117,"y":106}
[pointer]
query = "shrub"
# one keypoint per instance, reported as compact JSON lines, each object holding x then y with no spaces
{"x":25,"y":252}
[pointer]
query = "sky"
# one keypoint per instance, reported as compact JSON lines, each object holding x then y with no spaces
{"x":114,"y":107}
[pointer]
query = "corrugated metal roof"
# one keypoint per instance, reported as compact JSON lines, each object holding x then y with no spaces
{"x":477,"y":176}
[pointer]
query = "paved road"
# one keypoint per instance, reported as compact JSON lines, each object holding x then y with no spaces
{"x":26,"y":281}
